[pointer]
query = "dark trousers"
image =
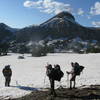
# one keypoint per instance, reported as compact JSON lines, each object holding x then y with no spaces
{"x":7,"y":81}
{"x":52,"y":85}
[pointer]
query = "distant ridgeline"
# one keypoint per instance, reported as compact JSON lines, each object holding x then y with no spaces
{"x":58,"y":34}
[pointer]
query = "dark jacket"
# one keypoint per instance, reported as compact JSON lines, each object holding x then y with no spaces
{"x":7,"y":72}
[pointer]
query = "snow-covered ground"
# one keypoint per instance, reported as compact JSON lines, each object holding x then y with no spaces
{"x":29,"y":73}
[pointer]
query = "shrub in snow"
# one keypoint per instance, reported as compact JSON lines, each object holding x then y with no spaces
{"x":39,"y":50}
{"x":93,"y":50}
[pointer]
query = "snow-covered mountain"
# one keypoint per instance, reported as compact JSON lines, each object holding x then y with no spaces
{"x":61,"y":25}
{"x":60,"y":20}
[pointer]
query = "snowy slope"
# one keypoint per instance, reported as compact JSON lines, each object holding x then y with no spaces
{"x":29,"y":73}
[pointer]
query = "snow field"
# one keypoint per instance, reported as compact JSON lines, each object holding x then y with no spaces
{"x":29,"y":74}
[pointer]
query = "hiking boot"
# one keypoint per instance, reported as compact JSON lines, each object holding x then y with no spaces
{"x":74,"y":87}
{"x":70,"y":88}
{"x":54,"y":94}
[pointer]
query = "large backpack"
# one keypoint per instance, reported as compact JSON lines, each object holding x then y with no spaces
{"x":78,"y":69}
{"x":55,"y":73}
{"x":58,"y":73}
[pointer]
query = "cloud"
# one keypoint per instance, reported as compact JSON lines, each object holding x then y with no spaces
{"x":95,"y":10}
{"x":32,"y":4}
{"x":28,"y":3}
{"x":96,"y":24}
{"x":80,"y":11}
{"x":48,"y":6}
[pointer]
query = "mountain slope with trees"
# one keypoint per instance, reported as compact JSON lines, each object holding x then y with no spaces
{"x":61,"y":33}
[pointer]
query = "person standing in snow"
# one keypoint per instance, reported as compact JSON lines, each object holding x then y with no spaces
{"x":54,"y":74}
{"x":73,"y":75}
{"x":7,"y":72}
{"x":76,"y":70}
{"x":50,"y":72}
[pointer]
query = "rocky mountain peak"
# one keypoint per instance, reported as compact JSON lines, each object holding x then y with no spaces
{"x":65,"y":14}
{"x":60,"y":21}
{"x":60,"y":26}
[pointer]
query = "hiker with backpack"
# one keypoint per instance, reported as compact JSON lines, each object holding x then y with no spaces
{"x":76,"y":70}
{"x":54,"y":74}
{"x":7,"y":72}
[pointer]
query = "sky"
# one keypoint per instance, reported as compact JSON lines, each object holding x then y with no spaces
{"x":22,"y":13}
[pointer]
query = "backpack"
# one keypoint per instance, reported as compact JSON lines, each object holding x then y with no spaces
{"x":78,"y":69}
{"x":58,"y":74}
{"x":54,"y":73}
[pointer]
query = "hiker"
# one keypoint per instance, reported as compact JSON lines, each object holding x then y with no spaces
{"x":54,"y":74}
{"x":7,"y":72}
{"x":76,"y":70}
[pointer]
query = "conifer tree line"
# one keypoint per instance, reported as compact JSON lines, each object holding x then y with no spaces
{"x":43,"y":47}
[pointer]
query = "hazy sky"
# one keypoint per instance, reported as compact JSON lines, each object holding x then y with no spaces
{"x":22,"y":13}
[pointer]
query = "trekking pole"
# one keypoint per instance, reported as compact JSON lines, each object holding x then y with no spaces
{"x":68,"y":80}
{"x":45,"y":75}
{"x":44,"y":79}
